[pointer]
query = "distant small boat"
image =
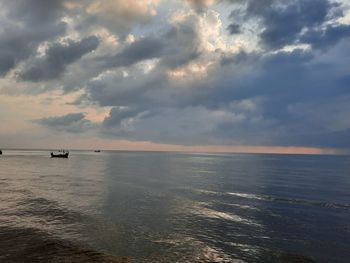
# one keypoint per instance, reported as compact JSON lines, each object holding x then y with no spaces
{"x":61,"y":154}
{"x":97,"y":151}
{"x":0,"y":152}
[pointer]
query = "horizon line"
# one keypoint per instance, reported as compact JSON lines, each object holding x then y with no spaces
{"x":282,"y":150}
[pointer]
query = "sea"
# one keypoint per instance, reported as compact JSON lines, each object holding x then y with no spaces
{"x":150,"y":207}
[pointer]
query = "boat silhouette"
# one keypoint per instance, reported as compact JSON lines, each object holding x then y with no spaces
{"x":61,"y":154}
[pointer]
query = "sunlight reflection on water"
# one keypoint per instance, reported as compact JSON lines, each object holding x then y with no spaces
{"x":167,"y":207}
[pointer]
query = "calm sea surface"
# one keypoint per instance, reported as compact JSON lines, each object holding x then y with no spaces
{"x":173,"y":207}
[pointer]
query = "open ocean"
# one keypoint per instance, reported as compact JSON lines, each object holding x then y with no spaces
{"x":174,"y":207}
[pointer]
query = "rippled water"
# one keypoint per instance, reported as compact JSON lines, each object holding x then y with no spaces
{"x":172,"y":207}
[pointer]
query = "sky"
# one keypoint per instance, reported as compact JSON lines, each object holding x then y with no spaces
{"x":186,"y":75}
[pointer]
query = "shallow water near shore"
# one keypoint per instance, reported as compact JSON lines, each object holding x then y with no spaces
{"x":174,"y":207}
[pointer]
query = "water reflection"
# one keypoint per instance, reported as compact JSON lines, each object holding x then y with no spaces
{"x":167,"y":207}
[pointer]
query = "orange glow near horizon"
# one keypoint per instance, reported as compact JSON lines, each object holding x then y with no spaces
{"x":106,"y":144}
{"x":148,"y":146}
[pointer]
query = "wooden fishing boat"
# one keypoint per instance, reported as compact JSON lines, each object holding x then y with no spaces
{"x":61,"y":154}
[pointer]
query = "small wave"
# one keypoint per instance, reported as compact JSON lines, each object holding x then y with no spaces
{"x":207,"y":192}
{"x":248,"y":196}
{"x":45,"y":214}
{"x":276,"y":199}
{"x":214,"y":214}
{"x":244,"y":207}
{"x":291,"y":200}
{"x":212,"y":255}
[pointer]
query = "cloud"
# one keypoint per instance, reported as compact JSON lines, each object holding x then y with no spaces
{"x":284,"y":21}
{"x":175,"y":47}
{"x":325,"y":38}
{"x":234,"y":29}
{"x":119,"y":16}
{"x":177,"y":50}
{"x":190,"y":125}
{"x":25,"y":25}
{"x":164,"y":104}
{"x":58,"y":56}
{"x":35,"y":12}
{"x":29,"y":23}
{"x":142,"y":49}
{"x":200,"y":5}
{"x":118,"y":114}
{"x":73,"y":123}
{"x":274,"y":74}
{"x":255,"y":107}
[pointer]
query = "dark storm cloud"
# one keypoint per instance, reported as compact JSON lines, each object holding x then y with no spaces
{"x":183,"y":44}
{"x":74,"y":122}
{"x":26,"y":24}
{"x":57,"y":58}
{"x":284,"y":24}
{"x":238,"y":58}
{"x":302,"y":98}
{"x":142,"y":49}
{"x":284,"y":21}
{"x":234,"y":29}
{"x":334,"y":139}
{"x":325,"y":139}
{"x":282,"y":80}
{"x":118,"y":114}
{"x":194,"y":88}
{"x":175,"y":47}
{"x":283,"y":77}
{"x":324,"y":38}
{"x":198,"y":5}
{"x":17,"y":44}
{"x":267,"y":86}
{"x":116,"y":90}
{"x":34,"y":12}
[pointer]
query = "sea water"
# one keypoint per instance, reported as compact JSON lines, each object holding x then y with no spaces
{"x":174,"y":207}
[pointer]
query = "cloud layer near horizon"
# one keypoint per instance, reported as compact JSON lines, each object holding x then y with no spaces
{"x":268,"y":72}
